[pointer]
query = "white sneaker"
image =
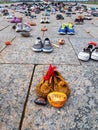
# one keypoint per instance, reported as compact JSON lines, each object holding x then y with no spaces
{"x":47,"y":20}
{"x":42,"y":20}
{"x":94,"y":54}
{"x":85,"y":55}
{"x":19,"y":27}
{"x":9,"y":17}
{"x":26,"y":28}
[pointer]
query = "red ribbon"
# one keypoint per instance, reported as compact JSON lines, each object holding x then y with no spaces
{"x":50,"y":72}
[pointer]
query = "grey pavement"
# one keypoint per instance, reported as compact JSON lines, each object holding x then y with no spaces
{"x":21,"y":69}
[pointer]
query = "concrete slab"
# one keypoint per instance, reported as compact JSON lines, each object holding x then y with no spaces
{"x":21,"y":52}
{"x":6,"y":34}
{"x":81,"y":110}
{"x":14,"y":83}
{"x":3,"y":24}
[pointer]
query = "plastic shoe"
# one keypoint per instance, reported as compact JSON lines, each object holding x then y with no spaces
{"x":26,"y":28}
{"x":47,"y":46}
{"x":85,"y":55}
{"x":38,"y":46}
{"x":19,"y":27}
{"x":94,"y":54}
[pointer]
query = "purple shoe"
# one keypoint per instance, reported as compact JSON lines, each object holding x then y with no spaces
{"x":13,"y":20}
{"x":16,"y":20}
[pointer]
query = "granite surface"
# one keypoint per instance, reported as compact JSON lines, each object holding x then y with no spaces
{"x":21,"y":69}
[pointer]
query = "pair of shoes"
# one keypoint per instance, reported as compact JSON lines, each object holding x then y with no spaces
{"x":23,"y":27}
{"x":46,"y":46}
{"x":90,"y":52}
{"x":66,"y":29}
{"x":16,"y":20}
{"x":45,"y":20}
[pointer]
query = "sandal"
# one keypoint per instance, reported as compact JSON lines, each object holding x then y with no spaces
{"x":94,"y":54}
{"x":85,"y":55}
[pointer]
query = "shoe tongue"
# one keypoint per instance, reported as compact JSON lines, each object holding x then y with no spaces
{"x":38,"y":41}
{"x":46,"y":42}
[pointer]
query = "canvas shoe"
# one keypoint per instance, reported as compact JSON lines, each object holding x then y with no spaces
{"x":26,"y":27}
{"x":85,"y":55}
{"x":94,"y":54}
{"x":19,"y":27}
{"x":47,"y":46}
{"x":38,"y":46}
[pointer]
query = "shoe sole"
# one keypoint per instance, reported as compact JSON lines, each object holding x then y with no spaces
{"x":44,"y":50}
{"x":37,"y":50}
{"x":61,"y":33}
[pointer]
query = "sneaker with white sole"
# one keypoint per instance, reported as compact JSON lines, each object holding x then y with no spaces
{"x":47,"y":46}
{"x":38,"y":46}
{"x":94,"y":54}
{"x":26,"y":28}
{"x":19,"y":27}
{"x":85,"y":55}
{"x":47,"y":20}
{"x":42,"y":20}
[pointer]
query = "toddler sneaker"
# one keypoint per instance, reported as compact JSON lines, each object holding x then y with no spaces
{"x":47,"y":46}
{"x":42,"y":20}
{"x":19,"y":27}
{"x":70,"y":29}
{"x":63,"y":29}
{"x":94,"y":54}
{"x":47,"y":20}
{"x":85,"y":55}
{"x":26,"y":27}
{"x":38,"y":46}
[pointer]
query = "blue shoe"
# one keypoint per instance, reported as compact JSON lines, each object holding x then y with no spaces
{"x":70,"y":31}
{"x":62,"y":30}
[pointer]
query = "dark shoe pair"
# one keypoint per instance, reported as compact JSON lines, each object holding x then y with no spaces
{"x":45,"y":46}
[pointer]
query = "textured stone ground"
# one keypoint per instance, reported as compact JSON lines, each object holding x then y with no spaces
{"x":21,"y":69}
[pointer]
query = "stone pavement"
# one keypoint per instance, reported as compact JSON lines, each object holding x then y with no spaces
{"x":21,"y":69}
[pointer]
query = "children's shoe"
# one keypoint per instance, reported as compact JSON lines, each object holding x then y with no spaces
{"x":42,"y":20}
{"x":26,"y":28}
{"x":94,"y":54}
{"x":38,"y":46}
{"x":47,"y":46}
{"x":70,"y":29}
{"x":47,"y":20}
{"x":85,"y":55}
{"x":16,"y":20}
{"x":63,"y":29}
{"x":19,"y":27}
